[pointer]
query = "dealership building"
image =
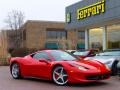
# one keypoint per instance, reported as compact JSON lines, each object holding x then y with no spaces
{"x":97,"y":22}
{"x":89,"y":24}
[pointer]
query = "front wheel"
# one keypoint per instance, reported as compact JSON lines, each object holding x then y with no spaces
{"x":114,"y":68}
{"x":15,"y":71}
{"x":59,"y":76}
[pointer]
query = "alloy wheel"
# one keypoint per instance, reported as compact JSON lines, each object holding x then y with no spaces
{"x":60,"y":76}
{"x":15,"y":71}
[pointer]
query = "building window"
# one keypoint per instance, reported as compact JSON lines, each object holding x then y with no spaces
{"x":113,"y":36}
{"x":95,"y":38}
{"x":24,"y":34}
{"x":81,"y":34}
{"x":56,"y":33}
{"x":52,"y":45}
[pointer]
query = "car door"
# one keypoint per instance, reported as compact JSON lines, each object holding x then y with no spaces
{"x":41,"y":69}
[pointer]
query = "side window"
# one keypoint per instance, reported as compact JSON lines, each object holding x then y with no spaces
{"x":41,"y":55}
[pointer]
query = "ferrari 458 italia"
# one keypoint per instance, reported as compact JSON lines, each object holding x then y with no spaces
{"x":59,"y":67}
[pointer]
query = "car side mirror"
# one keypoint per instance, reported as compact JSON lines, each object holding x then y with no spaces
{"x":43,"y":60}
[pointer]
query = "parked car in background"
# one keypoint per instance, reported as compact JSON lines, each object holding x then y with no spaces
{"x":108,"y":57}
{"x":118,"y":69}
{"x":85,"y":53}
{"x":59,"y":67}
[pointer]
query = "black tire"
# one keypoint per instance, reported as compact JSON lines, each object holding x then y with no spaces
{"x":59,"y":76}
{"x":118,"y":68}
{"x":114,"y":68}
{"x":15,"y":71}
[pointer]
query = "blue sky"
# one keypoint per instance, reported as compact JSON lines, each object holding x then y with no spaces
{"x":52,"y":10}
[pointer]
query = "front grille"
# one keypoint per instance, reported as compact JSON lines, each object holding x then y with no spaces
{"x":98,"y":77}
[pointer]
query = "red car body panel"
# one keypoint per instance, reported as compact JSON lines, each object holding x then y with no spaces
{"x":30,"y":67}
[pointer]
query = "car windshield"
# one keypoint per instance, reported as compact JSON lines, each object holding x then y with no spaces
{"x":81,"y":53}
{"x":61,"y":55}
{"x":111,"y":53}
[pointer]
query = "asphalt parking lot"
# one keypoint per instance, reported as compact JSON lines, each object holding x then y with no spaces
{"x":8,"y":83}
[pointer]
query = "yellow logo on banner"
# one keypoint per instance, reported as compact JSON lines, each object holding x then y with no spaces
{"x":91,"y":10}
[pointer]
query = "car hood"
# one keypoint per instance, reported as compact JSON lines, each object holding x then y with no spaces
{"x":87,"y":63}
{"x":103,"y":59}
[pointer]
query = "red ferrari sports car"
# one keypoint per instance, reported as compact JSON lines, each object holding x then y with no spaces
{"x":58,"y":66}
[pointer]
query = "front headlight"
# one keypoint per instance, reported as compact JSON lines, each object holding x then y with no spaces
{"x":80,"y":67}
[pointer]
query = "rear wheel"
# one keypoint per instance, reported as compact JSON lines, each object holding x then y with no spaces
{"x":15,"y":71}
{"x":60,"y":76}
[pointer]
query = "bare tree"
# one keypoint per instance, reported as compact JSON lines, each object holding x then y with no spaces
{"x":14,"y":21}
